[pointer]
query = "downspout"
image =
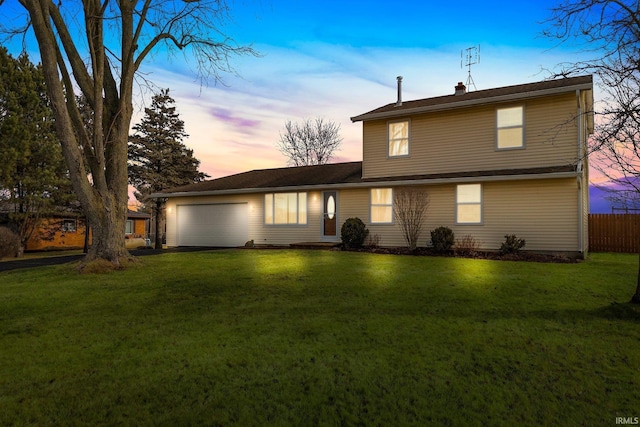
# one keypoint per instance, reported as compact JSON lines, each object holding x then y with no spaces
{"x":579,"y":169}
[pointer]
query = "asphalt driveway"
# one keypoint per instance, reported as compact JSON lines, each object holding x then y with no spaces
{"x":55,"y":260}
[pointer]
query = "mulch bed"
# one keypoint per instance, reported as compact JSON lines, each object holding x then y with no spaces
{"x":492,"y":255}
{"x":519,"y":256}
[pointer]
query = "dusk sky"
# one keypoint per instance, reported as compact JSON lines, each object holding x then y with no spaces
{"x":340,"y":59}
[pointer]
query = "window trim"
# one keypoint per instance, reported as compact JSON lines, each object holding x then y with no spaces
{"x":273,"y":222}
{"x":391,"y":122}
{"x":480,"y":203}
{"x":520,"y":126}
{"x":66,"y":222}
{"x":372,"y":205}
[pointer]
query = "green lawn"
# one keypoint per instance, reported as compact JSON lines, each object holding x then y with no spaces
{"x":248,"y":337}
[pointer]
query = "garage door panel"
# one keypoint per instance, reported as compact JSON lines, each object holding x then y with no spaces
{"x":217,"y":225}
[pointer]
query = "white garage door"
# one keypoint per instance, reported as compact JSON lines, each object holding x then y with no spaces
{"x":225,"y":225}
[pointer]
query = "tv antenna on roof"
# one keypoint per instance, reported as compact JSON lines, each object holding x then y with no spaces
{"x":472,"y":57}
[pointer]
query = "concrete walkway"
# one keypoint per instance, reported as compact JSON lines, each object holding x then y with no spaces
{"x":63,"y":259}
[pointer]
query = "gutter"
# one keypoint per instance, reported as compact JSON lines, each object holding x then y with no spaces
{"x":371,"y":184}
{"x":470,"y":103}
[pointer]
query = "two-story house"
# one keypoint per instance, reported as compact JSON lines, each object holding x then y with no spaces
{"x":509,"y":160}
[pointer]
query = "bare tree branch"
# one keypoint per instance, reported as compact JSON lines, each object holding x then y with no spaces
{"x":610,"y":29}
{"x":119,"y":36}
{"x":410,"y":205}
{"x":309,"y":142}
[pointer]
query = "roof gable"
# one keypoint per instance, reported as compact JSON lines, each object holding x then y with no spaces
{"x":487,"y":96}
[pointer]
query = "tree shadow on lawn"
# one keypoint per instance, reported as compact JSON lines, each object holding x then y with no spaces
{"x":247,"y":300}
{"x":617,"y":311}
{"x":626,"y":312}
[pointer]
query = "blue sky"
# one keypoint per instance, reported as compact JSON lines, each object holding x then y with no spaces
{"x":384,"y":24}
{"x":340,"y":59}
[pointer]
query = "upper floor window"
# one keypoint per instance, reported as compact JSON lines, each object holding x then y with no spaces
{"x":469,"y":204}
{"x":399,"y":138}
{"x":510,"y":127}
{"x":381,"y":205}
{"x":285,"y":208}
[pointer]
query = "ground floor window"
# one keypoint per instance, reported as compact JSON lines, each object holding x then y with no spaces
{"x":381,"y":205}
{"x":469,"y":204}
{"x":128,"y":227}
{"x":285,"y":208}
{"x":69,"y":225}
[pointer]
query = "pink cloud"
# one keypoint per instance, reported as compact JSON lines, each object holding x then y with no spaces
{"x":228,"y":116}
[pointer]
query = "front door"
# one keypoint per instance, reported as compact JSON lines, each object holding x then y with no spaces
{"x":330,"y":215}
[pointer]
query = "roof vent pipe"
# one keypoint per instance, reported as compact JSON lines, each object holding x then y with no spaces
{"x":399,"y":102}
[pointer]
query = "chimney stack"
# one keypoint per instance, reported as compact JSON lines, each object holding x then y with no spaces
{"x":399,"y":102}
{"x":461,"y":89}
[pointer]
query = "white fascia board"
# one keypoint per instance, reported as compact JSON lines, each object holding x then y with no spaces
{"x":372,"y":184}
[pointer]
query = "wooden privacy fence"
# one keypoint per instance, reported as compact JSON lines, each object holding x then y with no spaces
{"x":614,"y":233}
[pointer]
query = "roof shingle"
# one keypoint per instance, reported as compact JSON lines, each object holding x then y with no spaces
{"x":335,"y":173}
{"x":476,"y":97}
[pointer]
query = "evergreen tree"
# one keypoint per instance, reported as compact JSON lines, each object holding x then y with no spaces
{"x":33,"y":178}
{"x":158,"y":159}
{"x":96,"y":48}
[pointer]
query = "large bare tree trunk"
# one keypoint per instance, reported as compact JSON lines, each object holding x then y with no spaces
{"x":101,"y":148}
{"x":108,"y":232}
{"x":96,"y":152}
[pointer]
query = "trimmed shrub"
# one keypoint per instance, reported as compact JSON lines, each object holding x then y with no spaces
{"x":467,"y":246}
{"x":511,"y":244}
{"x":9,"y":243}
{"x":353,"y":233}
{"x":442,"y":239}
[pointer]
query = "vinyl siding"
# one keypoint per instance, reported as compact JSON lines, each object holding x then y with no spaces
{"x":465,"y":140}
{"x":258,"y":231}
{"x":286,"y":234}
{"x":543,"y":212}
